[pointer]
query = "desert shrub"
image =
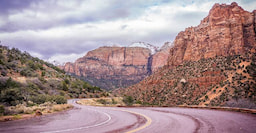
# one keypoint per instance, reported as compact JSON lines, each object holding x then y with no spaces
{"x":64,"y":86}
{"x":11,"y":84}
{"x":4,"y":72}
{"x":32,"y":65}
{"x":28,"y":73}
{"x":74,"y":85}
{"x":39,"y":99}
{"x":66,"y":81}
{"x":138,"y":102}
{"x":102,"y":101}
{"x":58,"y":99}
{"x":128,"y":100}
{"x":2,"y":110}
{"x":113,"y":101}
{"x":43,"y":73}
{"x":40,"y":66}
{"x":85,"y":85}
{"x":62,"y":93}
{"x":11,"y":96}
{"x":206,"y":97}
{"x":251,"y":69}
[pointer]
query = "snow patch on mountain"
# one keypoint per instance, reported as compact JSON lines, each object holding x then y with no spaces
{"x":152,"y":48}
{"x":167,"y":46}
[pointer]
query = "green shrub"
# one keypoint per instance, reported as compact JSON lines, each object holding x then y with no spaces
{"x":64,"y":86}
{"x":1,"y":110}
{"x":66,"y":81}
{"x":138,"y":102}
{"x":32,"y":65}
{"x":113,"y":101}
{"x":28,"y":73}
{"x":59,"y":99}
{"x":206,"y":97}
{"x":43,"y":73}
{"x":85,"y":85}
{"x":11,"y":96}
{"x":11,"y":84}
{"x":102,"y":101}
{"x":128,"y":100}
{"x":39,"y":99}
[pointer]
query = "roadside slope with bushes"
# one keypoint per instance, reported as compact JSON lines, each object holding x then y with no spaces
{"x":30,"y":81}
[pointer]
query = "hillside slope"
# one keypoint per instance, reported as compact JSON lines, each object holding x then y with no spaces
{"x":25,"y":78}
{"x":215,"y":81}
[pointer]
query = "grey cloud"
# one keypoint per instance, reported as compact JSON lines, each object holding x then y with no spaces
{"x":52,"y":8}
{"x":124,"y":27}
{"x":48,"y":48}
{"x":11,"y":6}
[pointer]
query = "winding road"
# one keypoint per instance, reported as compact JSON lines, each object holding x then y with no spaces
{"x":90,"y":119}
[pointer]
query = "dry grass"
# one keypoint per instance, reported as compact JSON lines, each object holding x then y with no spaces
{"x":106,"y":101}
{"x":60,"y":107}
{"x":21,"y":111}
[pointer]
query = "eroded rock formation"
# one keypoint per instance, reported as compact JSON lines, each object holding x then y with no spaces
{"x":227,"y":30}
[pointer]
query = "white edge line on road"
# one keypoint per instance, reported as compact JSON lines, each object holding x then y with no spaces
{"x":79,"y":128}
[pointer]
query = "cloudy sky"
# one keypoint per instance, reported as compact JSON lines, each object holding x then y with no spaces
{"x":64,"y":30}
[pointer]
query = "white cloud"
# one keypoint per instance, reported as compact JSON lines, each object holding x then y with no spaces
{"x":35,"y":54}
{"x":62,"y":58}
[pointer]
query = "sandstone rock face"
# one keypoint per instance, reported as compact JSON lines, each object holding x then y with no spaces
{"x":111,"y":67}
{"x":114,"y":67}
{"x":159,"y":59}
{"x":227,"y":30}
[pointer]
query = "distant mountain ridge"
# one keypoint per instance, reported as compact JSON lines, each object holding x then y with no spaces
{"x":115,"y":67}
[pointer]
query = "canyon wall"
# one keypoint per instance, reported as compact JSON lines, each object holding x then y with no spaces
{"x":210,"y":64}
{"x":114,"y":67}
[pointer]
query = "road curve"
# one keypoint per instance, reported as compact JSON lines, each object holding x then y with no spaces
{"x":140,"y":119}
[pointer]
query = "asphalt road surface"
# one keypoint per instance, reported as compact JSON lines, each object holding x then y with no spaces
{"x":89,"y":119}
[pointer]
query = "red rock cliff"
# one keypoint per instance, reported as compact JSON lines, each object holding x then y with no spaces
{"x":227,"y":30}
{"x":111,"y":67}
{"x":159,"y":59}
